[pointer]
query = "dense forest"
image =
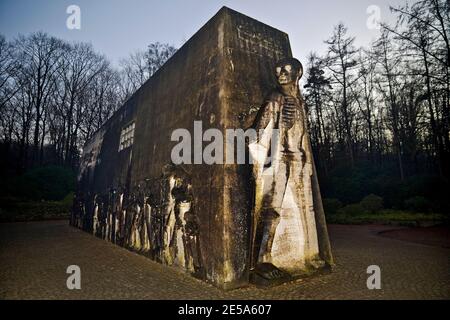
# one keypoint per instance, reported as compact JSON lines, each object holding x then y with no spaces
{"x":379,"y":116}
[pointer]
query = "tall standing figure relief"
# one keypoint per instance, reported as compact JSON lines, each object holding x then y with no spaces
{"x":284,"y":233}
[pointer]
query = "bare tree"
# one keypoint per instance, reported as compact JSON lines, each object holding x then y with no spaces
{"x":342,"y":63}
{"x":367,"y":108}
{"x":424,"y":29}
{"x":388,"y":65}
{"x":141,"y":65}
{"x":79,"y":68}
{"x":38,"y":55}
{"x":101,"y":99}
{"x":8,"y":67}
{"x":318,"y":91}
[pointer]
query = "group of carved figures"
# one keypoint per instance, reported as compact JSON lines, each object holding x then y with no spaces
{"x":157,"y":219}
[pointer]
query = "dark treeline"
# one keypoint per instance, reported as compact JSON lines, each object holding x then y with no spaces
{"x":54,"y":95}
{"x":380,"y":116}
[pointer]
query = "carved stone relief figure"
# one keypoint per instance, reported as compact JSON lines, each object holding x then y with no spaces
{"x":131,"y":207}
{"x":183,"y":203}
{"x":110,"y":215}
{"x":180,"y":245}
{"x":104,"y":215}
{"x":147,"y":221}
{"x":284,"y":235}
{"x":78,"y":216}
{"x":156,"y":217}
{"x":169,"y":221}
{"x":117,"y":214}
{"x":120,"y":218}
{"x":157,"y":231}
{"x":191,"y":241}
{"x":138,"y":238}
{"x":96,"y":216}
{"x":142,"y":222}
{"x":135,"y":239}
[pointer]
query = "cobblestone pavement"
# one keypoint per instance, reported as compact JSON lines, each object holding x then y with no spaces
{"x":34,"y":257}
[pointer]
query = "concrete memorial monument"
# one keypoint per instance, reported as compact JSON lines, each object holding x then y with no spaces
{"x":226,"y":223}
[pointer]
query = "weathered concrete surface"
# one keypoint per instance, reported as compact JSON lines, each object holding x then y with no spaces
{"x":218,"y":77}
{"x":34,"y":257}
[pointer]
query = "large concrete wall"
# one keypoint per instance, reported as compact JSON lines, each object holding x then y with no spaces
{"x":250,"y":51}
{"x":220,"y":77}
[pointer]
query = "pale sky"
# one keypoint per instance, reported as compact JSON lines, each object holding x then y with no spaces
{"x":118,"y":27}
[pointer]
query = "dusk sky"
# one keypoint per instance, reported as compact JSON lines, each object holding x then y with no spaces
{"x":117,"y":28}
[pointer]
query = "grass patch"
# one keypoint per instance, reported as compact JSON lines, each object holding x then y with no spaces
{"x":388,"y":217}
{"x":14,"y":210}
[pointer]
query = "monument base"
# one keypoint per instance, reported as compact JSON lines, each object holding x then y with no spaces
{"x":267,"y":275}
{"x":258,"y":278}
